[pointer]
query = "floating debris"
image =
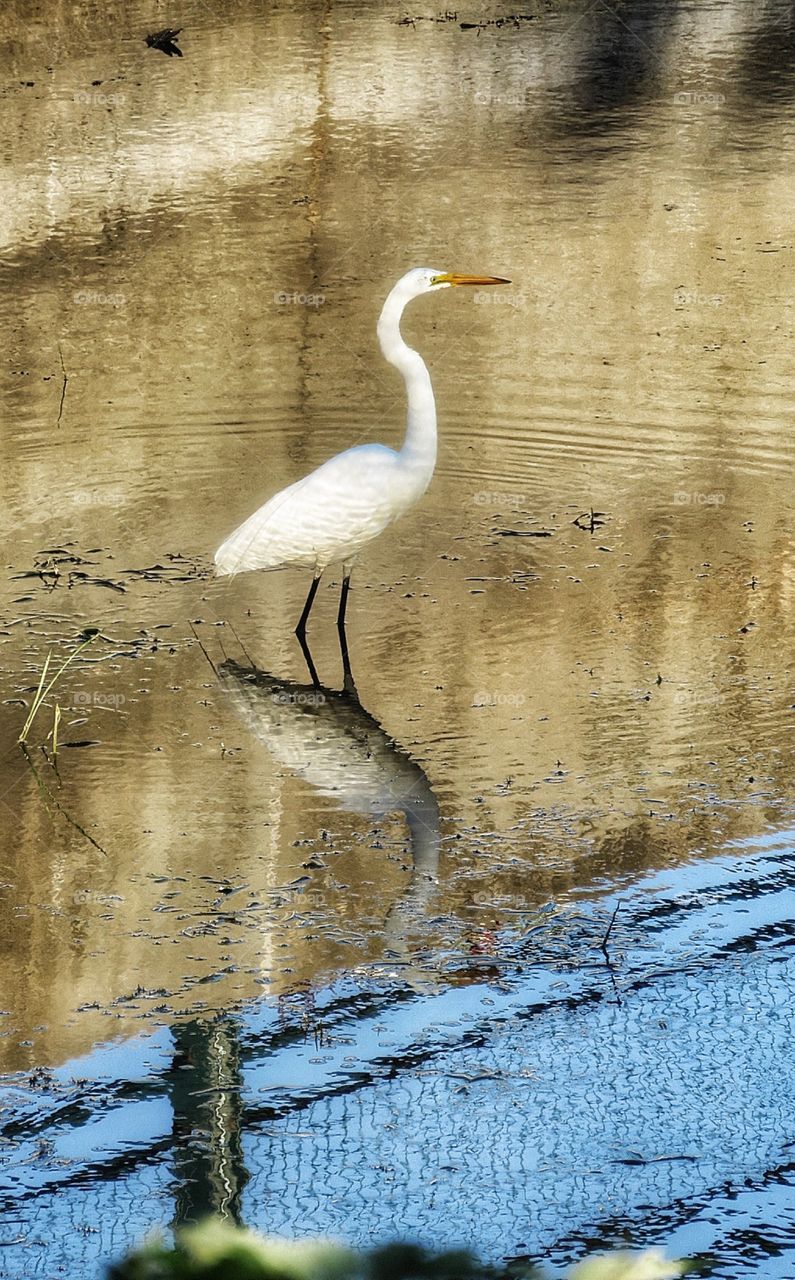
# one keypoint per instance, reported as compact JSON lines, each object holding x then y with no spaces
{"x":165,"y":41}
{"x":53,"y":568}
{"x":591,"y":520}
{"x":523,"y":533}
{"x":511,"y":20}
{"x":448,"y":16}
{"x":76,"y":576}
{"x":180,"y":569}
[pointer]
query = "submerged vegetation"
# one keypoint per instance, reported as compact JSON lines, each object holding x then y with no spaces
{"x":218,"y":1251}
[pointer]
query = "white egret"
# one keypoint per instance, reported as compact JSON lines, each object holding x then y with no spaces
{"x":330,"y":515}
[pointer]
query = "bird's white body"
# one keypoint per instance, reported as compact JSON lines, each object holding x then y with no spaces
{"x":327,"y":517}
{"x":330,"y":515}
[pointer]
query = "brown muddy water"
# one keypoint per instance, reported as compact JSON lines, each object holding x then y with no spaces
{"x":336,"y":964}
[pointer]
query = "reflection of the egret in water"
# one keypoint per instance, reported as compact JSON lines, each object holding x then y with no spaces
{"x":326,"y":737}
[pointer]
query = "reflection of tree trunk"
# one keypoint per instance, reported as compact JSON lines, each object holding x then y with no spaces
{"x":205,"y":1096}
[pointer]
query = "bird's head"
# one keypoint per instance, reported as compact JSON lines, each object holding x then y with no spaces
{"x":427,"y":280}
{"x":414,"y":283}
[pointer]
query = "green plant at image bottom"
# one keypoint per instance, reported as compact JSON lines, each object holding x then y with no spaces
{"x":218,"y":1251}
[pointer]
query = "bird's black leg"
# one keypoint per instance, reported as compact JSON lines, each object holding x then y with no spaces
{"x":346,"y":586}
{"x":300,"y":630}
{"x":349,"y":685}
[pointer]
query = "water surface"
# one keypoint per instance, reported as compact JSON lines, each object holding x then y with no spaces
{"x":336,"y":964}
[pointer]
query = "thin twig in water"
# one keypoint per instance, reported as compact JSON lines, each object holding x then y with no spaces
{"x":63,"y":385}
{"x":606,"y":954}
{"x":605,"y":939}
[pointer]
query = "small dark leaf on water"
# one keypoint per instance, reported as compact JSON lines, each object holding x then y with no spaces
{"x":164,"y":41}
{"x":523,"y":533}
{"x":77,"y":575}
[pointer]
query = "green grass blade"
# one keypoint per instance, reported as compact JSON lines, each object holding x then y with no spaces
{"x":37,"y":701}
{"x":41,"y":693}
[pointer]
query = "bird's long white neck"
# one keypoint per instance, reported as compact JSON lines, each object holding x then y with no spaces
{"x":419,"y":445}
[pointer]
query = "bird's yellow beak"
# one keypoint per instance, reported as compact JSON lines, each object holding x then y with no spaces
{"x":453,"y":277}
